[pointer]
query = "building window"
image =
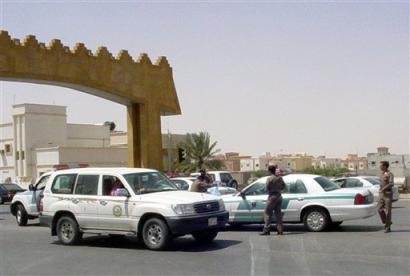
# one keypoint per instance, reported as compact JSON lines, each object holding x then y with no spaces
{"x":17,"y":155}
{"x":23,"y":155}
{"x":7,"y":148}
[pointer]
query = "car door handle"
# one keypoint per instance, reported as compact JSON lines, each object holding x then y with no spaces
{"x":253,"y":204}
{"x":103,"y":202}
{"x":75,"y":200}
{"x":300,"y":198}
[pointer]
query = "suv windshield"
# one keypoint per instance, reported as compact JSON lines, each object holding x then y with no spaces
{"x":149,"y":182}
{"x":326,"y":184}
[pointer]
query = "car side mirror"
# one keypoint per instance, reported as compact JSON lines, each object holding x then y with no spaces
{"x":31,"y":187}
{"x":242,"y":194}
{"x":123,"y":192}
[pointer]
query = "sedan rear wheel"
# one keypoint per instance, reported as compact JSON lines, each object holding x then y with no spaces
{"x":316,"y":220}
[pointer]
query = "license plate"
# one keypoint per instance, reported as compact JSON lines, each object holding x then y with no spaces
{"x":212,"y":221}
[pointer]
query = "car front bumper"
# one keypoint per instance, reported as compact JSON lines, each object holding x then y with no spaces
{"x":190,"y":224}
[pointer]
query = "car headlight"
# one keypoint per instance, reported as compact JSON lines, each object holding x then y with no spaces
{"x":221,"y":205}
{"x":183,"y":209}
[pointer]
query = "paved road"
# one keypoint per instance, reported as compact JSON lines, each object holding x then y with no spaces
{"x":355,"y":248}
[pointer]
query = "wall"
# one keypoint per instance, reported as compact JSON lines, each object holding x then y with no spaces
{"x":36,"y":126}
{"x":6,"y":158}
{"x":88,"y":135}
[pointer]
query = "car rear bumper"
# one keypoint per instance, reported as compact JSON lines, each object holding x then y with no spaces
{"x":351,"y":212}
{"x":191,"y":224}
{"x":7,"y":198}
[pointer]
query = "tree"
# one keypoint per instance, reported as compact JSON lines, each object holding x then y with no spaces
{"x":325,"y":171}
{"x":199,"y":152}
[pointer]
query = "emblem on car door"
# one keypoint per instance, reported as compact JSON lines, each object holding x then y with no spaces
{"x":117,"y":211}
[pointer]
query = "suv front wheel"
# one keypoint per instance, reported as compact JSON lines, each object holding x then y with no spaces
{"x":68,"y":231}
{"x":155,"y":234}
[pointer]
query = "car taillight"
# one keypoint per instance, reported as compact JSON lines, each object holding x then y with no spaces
{"x":41,"y":205}
{"x":359,"y":199}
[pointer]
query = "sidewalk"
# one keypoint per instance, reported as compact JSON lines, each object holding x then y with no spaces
{"x":405,"y":196}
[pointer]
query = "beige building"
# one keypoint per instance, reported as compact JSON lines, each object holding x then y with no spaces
{"x":296,"y":162}
{"x":39,"y":139}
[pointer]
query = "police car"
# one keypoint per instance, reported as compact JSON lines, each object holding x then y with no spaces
{"x":127,"y":201}
{"x":310,"y":199}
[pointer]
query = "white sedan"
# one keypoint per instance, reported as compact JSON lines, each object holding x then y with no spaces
{"x":369,"y":182}
{"x":185,"y":183}
{"x":310,"y":199}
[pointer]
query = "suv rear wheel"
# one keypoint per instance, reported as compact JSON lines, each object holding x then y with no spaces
{"x":155,"y":234}
{"x":21,"y":215}
{"x":68,"y":231}
{"x":205,"y":236}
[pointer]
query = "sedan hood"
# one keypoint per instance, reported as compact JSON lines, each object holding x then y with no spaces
{"x":177,"y":197}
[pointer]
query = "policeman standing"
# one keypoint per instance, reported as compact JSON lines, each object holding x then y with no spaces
{"x":202,"y":183}
{"x":384,"y":205}
{"x":274,"y":187}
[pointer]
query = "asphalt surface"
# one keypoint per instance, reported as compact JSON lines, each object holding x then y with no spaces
{"x":354,"y":248}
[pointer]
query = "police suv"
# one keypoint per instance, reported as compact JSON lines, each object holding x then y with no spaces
{"x":127,"y":201}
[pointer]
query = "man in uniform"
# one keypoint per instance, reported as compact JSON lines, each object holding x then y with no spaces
{"x":384,"y":205}
{"x":274,"y":187}
{"x":202,"y":183}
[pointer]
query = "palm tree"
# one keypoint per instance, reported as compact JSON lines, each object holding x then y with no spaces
{"x":198,"y":152}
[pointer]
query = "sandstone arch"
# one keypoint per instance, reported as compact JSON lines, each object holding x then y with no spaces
{"x":146,"y":89}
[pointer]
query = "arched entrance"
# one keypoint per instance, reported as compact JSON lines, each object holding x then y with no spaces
{"x":146,"y":89}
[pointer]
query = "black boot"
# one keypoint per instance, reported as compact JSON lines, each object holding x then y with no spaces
{"x":265,"y":232}
{"x":279,"y":229}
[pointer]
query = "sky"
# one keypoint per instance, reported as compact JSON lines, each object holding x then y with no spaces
{"x":282,"y":77}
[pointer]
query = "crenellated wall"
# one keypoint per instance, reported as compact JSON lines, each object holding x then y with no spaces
{"x":146,"y":89}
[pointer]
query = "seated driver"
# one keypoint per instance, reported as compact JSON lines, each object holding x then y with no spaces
{"x":117,"y":185}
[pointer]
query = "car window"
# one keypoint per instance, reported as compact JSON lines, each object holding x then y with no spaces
{"x":295,"y":187}
{"x":225,"y":177}
{"x":63,"y":184}
{"x":373,"y":180}
{"x":87,"y":185}
{"x":211,"y":176}
{"x":259,"y":188}
{"x":352,"y":183}
{"x":11,"y":187}
{"x":326,"y":184}
{"x":110,"y":185}
{"x":42,"y":183}
{"x":149,"y":182}
{"x":181,"y":184}
{"x":340,"y":182}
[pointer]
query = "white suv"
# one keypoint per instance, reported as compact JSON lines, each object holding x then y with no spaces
{"x":24,"y":206}
{"x":127,"y":201}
